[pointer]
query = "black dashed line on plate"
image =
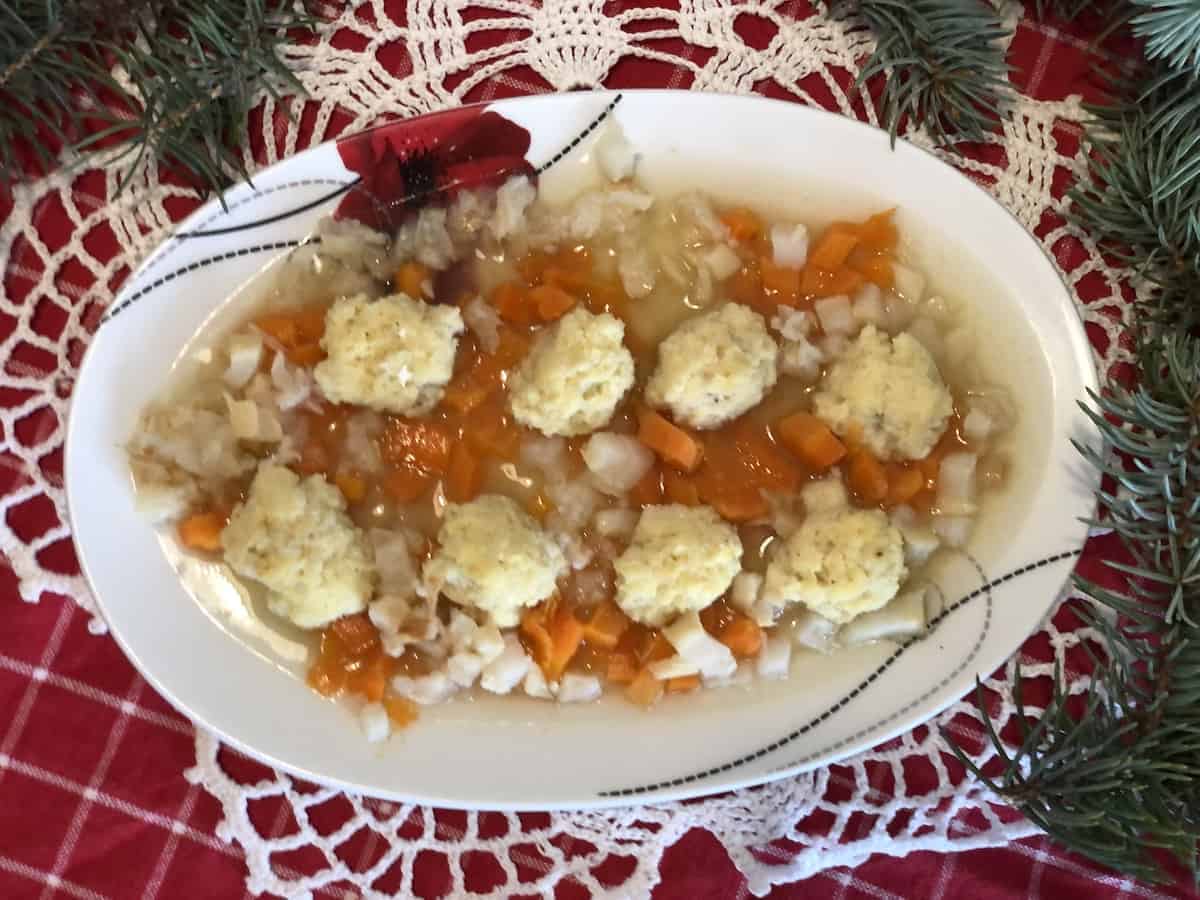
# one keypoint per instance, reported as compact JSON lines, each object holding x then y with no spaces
{"x":200,"y":264}
{"x":579,"y":138}
{"x":342,"y":187}
{"x":985,"y":588}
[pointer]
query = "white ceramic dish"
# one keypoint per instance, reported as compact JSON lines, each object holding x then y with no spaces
{"x":203,"y":651}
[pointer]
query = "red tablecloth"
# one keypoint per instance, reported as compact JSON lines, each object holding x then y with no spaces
{"x":93,"y":802}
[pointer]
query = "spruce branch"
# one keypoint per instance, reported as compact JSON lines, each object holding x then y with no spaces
{"x":1171,"y":30}
{"x":944,"y":63}
{"x":173,"y":80}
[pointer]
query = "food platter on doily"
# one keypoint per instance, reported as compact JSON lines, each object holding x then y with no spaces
{"x":909,"y":791}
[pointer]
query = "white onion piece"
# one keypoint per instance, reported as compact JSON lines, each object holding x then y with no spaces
{"x":547,"y":455}
{"x":956,"y":484}
{"x":693,"y":643}
{"x":535,"y":684}
{"x":836,"y":315}
{"x":813,"y":631}
{"x":483,"y":320}
{"x":953,"y":530}
{"x":977,"y":425}
{"x":576,"y":688}
{"x":393,"y":562}
{"x":673,"y":667}
{"x":789,"y":245}
{"x":801,"y":359}
{"x":616,"y":523}
{"x":574,"y":502}
{"x":617,"y":461}
{"x":427,"y":690}
{"x":775,"y":659}
{"x":833,"y":345}
{"x":827,"y":495}
{"x":245,"y":353}
{"x":868,"y":306}
{"x":903,"y":617}
{"x":464,"y":668}
{"x":373,"y":719}
{"x":507,"y":670}
{"x":293,"y":384}
{"x":909,"y":283}
{"x":615,"y":154}
{"x":900,"y":312}
{"x":743,"y":594}
{"x":792,"y":324}
{"x":929,"y":335}
{"x":722,"y":261}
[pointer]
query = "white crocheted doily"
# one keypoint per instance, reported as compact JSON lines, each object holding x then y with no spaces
{"x":907,"y":795}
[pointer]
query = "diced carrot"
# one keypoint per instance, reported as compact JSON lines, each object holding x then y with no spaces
{"x":739,"y":503}
{"x":554,"y":634}
{"x":879,"y":232}
{"x":654,"y":648}
{"x":743,"y":636}
{"x":491,"y":432}
{"x":513,"y":304}
{"x":867,"y":477}
{"x":780,"y":281}
{"x":298,"y":332}
{"x":811,"y":440}
{"x":463,"y":475}
{"x":202,"y":531}
{"x":645,"y":690}
{"x":679,"y":488}
{"x":874,"y":267}
{"x":817,"y":282}
{"x":622,"y":668}
{"x":746,"y":287}
{"x":904,"y":483}
{"x":743,"y":224}
{"x":716,"y":616}
{"x":682,"y":684}
{"x":358,"y":635}
{"x":370,"y":680}
{"x":551,"y":301}
{"x":400,"y":710}
{"x":414,"y":279}
{"x":752,"y":456}
{"x":314,"y":458}
{"x":671,"y":443}
{"x":606,"y":626}
{"x":465,"y":392}
{"x":649,"y":490}
{"x":352,"y":486}
{"x":417,"y":444}
{"x":832,"y":248}
{"x":406,"y":484}
{"x":326,"y":678}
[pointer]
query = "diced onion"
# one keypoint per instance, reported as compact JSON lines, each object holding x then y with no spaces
{"x":574,"y":502}
{"x":293,"y":385}
{"x":245,"y":353}
{"x":745,"y":589}
{"x":693,"y":643}
{"x":393,"y":562}
{"x":813,"y":631}
{"x":508,"y":669}
{"x":903,"y":617}
{"x":800,"y":359}
{"x":836,"y":315}
{"x":977,"y":425}
{"x":956,"y":484}
{"x":618,"y":523}
{"x":547,"y":455}
{"x":908,"y":283}
{"x":775,"y":659}
{"x":535,"y":684}
{"x":953,"y":530}
{"x":617,"y":461}
{"x":373,"y":719}
{"x":464,"y":668}
{"x":615,"y":154}
{"x":673,"y":667}
{"x":792,"y":324}
{"x":789,"y":245}
{"x":722,"y":261}
{"x":427,"y":690}
{"x":483,"y":320}
{"x":868,"y":306}
{"x":576,"y":688}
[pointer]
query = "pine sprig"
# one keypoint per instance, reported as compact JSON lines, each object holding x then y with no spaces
{"x":1121,"y":779}
{"x":944,"y":63}
{"x":1171,"y":29}
{"x":172,"y":80}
